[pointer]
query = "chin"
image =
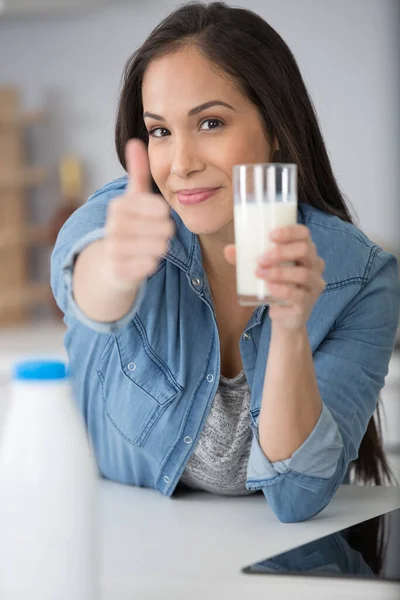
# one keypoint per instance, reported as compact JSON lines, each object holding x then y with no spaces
{"x":204,"y":224}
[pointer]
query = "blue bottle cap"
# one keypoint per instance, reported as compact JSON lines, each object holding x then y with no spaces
{"x":39,"y":370}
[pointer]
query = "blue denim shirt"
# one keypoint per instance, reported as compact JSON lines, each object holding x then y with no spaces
{"x":145,"y":384}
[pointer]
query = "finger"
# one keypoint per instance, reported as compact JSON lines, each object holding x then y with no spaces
{"x":137,"y":248}
{"x":230,"y":254}
{"x":141,"y":228}
{"x":320,"y":265}
{"x":301,"y":252}
{"x":300,"y":276}
{"x":137,"y":165}
{"x":290,"y":294}
{"x":153,"y":206}
{"x":291,"y":233}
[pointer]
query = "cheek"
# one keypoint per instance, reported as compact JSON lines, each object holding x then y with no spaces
{"x":159,"y":166}
{"x":246,"y":149}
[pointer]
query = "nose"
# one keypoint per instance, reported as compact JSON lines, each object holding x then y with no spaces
{"x":185,"y":158}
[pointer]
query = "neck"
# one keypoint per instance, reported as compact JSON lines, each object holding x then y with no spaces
{"x":219,"y":272}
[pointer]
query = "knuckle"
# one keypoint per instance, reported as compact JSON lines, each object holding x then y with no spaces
{"x":305,"y":230}
{"x":301,"y":296}
{"x":161,"y":206}
{"x":115,"y":223}
{"x":171,"y":228}
{"x":167,"y":230}
{"x":116,"y":207}
{"x":120,"y":270}
{"x":151,"y":264}
{"x":111,"y":244}
{"x":284,"y":291}
{"x":304,"y":249}
{"x":303,"y":275}
{"x":113,"y":205}
{"x":110,"y":225}
{"x":161,"y":246}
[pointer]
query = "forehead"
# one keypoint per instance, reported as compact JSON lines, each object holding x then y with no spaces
{"x":185,"y":77}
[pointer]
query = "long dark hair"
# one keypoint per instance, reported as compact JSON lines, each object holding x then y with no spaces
{"x":252,"y":53}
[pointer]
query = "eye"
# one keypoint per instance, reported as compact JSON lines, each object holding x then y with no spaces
{"x":158,"y":132}
{"x":211,"y":124}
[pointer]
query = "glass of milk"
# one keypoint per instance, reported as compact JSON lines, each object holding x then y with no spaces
{"x":265,"y":198}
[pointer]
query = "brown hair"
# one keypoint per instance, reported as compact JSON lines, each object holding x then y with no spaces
{"x":253,"y":54}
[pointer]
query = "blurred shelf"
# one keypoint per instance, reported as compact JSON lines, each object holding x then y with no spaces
{"x":17,"y":294}
{"x":30,"y":295}
{"x":26,"y":119}
{"x":32,"y":235}
{"x":28,"y":177}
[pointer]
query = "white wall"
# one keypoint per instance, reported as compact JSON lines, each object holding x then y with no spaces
{"x":348,"y":51}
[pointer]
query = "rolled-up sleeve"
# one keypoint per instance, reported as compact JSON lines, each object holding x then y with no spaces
{"x":317,"y":456}
{"x":350,"y":365}
{"x":85,"y":226}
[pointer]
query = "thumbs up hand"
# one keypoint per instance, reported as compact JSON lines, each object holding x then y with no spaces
{"x":138,"y":225}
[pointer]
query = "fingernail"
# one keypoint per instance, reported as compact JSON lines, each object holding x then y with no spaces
{"x":264,"y":272}
{"x":263,"y":258}
{"x":276,"y":234}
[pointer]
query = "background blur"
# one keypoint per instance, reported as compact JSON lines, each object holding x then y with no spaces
{"x":60,"y":70}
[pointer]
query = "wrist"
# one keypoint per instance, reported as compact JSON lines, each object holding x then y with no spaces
{"x":117,"y":284}
{"x":278,"y":330}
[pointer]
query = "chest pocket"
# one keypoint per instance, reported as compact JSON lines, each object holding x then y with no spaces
{"x":137,"y":386}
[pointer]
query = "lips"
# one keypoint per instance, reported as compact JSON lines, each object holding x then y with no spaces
{"x":195,"y":196}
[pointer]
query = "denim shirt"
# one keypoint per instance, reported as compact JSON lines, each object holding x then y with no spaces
{"x":145,"y":384}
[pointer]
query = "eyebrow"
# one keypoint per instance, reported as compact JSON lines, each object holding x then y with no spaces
{"x":192,"y":111}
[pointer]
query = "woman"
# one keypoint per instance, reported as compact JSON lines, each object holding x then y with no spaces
{"x":177,"y":383}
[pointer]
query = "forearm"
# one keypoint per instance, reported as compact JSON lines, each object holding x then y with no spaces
{"x":291,"y":404}
{"x":95,"y":291}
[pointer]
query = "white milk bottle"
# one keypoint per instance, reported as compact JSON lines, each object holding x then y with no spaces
{"x":265,"y":198}
{"x":48,"y":484}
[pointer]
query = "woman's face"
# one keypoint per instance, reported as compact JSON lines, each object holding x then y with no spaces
{"x":199,"y":126}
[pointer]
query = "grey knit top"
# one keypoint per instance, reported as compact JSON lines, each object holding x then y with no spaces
{"x":219,"y":461}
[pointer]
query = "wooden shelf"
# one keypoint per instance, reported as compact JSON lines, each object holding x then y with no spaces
{"x":33,"y":294}
{"x":25,"y":120}
{"x":31,"y":235}
{"x":28,"y":177}
{"x":18,"y":294}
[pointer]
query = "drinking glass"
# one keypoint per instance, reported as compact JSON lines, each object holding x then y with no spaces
{"x":265,"y":198}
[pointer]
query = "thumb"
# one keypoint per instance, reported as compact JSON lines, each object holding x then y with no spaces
{"x":230,"y":254}
{"x":137,"y":166}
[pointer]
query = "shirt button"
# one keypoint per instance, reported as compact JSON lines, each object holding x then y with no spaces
{"x":166,"y":478}
{"x":196,"y":281}
{"x":210,"y":378}
{"x":131,"y":366}
{"x":187,"y":440}
{"x":246,"y":336}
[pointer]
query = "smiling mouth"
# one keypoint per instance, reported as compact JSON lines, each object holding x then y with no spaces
{"x":190,"y":197}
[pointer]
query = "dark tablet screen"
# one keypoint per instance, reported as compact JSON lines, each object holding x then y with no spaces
{"x":370,"y":549}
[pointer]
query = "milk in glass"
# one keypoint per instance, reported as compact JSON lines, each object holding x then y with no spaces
{"x":265,"y":198}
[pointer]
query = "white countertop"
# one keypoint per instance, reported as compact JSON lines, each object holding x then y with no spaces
{"x":194,"y":546}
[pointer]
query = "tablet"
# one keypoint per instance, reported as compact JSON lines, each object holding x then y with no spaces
{"x":369,"y":550}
